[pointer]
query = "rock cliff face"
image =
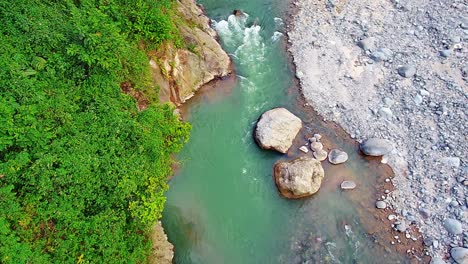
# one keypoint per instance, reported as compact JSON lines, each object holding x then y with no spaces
{"x":181,"y":72}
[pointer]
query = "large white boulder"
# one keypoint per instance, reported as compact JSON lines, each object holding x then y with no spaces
{"x":277,"y":129}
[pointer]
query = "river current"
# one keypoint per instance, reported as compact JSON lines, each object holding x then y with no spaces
{"x":223,"y":205}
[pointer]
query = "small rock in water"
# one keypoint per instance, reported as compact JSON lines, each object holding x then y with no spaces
{"x":337,"y":156}
{"x":401,"y":227}
{"x":381,"y":204}
{"x":316,"y":146}
{"x":453,"y":226}
{"x":407,"y":71}
{"x":459,"y":254}
{"x":348,"y":185}
{"x":318,"y":136}
{"x":320,"y":155}
{"x":376,"y":147}
{"x":391,"y":217}
{"x":304,"y":149}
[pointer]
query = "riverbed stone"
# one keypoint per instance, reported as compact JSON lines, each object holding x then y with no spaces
{"x":299,"y":177}
{"x":453,"y":226}
{"x":381,"y":204}
{"x":437,"y":260}
{"x":348,"y":185}
{"x":277,"y":129}
{"x":407,"y":71}
{"x":401,"y":226}
{"x":304,"y":149}
{"x":459,"y":254}
{"x":320,"y":155}
{"x":376,"y":147}
{"x":316,"y":146}
{"x":337,"y":156}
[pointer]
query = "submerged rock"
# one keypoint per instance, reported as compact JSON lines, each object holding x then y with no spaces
{"x":381,"y":204}
{"x":299,"y":177}
{"x":376,"y":147}
{"x":277,"y":129}
{"x":337,"y":156}
{"x":348,"y":185}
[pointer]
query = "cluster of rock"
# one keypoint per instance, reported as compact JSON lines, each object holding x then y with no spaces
{"x":397,"y":70}
{"x":302,"y":176}
{"x":180,"y":72}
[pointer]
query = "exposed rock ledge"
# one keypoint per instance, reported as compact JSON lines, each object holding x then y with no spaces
{"x":181,"y":72}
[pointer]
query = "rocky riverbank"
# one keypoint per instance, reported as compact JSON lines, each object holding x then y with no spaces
{"x":396,"y":70}
{"x":179,"y":73}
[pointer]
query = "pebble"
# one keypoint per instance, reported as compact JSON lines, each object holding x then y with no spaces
{"x":348,"y":185}
{"x":453,"y":226}
{"x":451,"y":161}
{"x":445,"y":53}
{"x":407,"y":71}
{"x":318,"y":136}
{"x":381,"y":204}
{"x":388,"y":102}
{"x":376,"y":147}
{"x":316,"y":146}
{"x":320,"y":155}
{"x":386,"y":113}
{"x":337,"y":156}
{"x":304,"y":149}
{"x":401,"y":227}
{"x":459,"y":254}
{"x":418,"y":99}
{"x":366,"y":44}
{"x":437,"y":260}
{"x":424,"y":92}
{"x":391,"y":217}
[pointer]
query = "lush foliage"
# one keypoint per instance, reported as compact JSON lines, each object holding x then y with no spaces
{"x":82,"y":171}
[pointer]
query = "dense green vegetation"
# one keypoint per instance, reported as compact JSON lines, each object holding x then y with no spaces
{"x":82,"y":171}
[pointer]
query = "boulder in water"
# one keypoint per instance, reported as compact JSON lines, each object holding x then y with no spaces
{"x":299,"y":177}
{"x":277,"y":129}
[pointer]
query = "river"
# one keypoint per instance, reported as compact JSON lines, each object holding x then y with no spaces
{"x":223,"y":205}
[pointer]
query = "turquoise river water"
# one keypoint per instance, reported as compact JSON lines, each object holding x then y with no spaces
{"x":223,"y":205}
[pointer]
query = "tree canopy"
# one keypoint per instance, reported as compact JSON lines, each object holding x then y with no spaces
{"x":82,"y":170}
